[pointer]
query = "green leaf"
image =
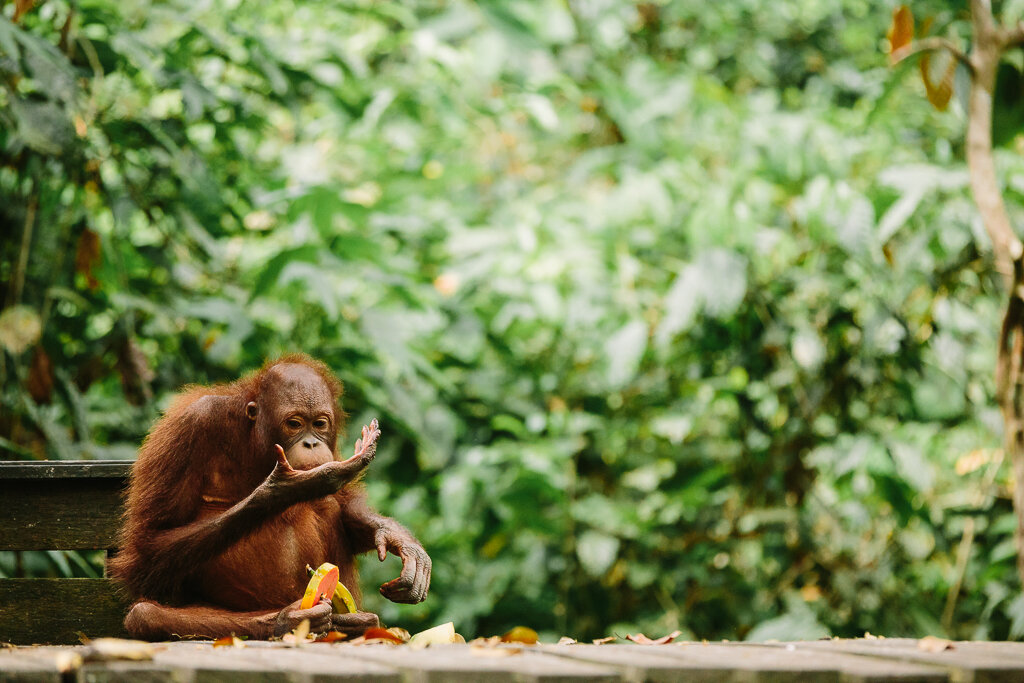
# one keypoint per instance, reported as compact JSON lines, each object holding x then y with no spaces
{"x":269,"y":275}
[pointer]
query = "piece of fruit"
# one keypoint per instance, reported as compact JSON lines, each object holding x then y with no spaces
{"x":439,"y":635}
{"x":520,"y":634}
{"x":321,"y":585}
{"x":342,"y":600}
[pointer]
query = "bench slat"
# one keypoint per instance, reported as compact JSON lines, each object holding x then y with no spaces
{"x":64,"y":469}
{"x":60,"y":514}
{"x":55,"y":610}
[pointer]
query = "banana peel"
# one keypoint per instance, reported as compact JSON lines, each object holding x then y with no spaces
{"x":341,"y":597}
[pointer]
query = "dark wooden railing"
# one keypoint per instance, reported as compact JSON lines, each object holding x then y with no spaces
{"x":60,"y":505}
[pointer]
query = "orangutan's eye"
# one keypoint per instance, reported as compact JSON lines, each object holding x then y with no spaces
{"x":293,"y":422}
{"x":321,"y":423}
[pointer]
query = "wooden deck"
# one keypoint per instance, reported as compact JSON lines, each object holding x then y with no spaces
{"x":833,"y":661}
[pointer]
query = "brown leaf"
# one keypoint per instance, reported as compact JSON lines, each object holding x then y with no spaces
{"x":641,"y":639}
{"x":299,"y":634}
{"x":939,"y":93}
{"x":400,"y":632}
{"x":493,"y":641}
{"x":332,"y":637}
{"x":478,"y":651}
{"x":378,"y":633}
{"x":20,"y":8}
{"x":933,"y":644}
{"x":113,"y":649}
{"x":87,"y":257}
{"x":136,"y":375}
{"x":229,"y":641}
{"x":606,"y":639}
{"x":521,"y":634}
{"x":40,"y":377}
{"x":901,"y":31}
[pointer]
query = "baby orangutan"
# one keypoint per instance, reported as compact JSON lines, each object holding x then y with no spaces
{"x":236,"y":489}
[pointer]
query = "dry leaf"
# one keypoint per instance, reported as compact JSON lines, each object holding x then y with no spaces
{"x":566,"y":640}
{"x":933,"y":644}
{"x":20,"y":328}
{"x":641,"y":639}
{"x":20,"y":8}
{"x":88,"y":256}
{"x":229,"y":641}
{"x":40,"y":377}
{"x":493,"y":641}
{"x":299,"y":636}
{"x":901,"y":31}
{"x":108,"y":649}
{"x":381,"y":634}
{"x":521,"y":634}
{"x":478,"y":651}
{"x":606,"y":639}
{"x":400,"y":632}
{"x":939,"y":94}
{"x":332,"y":637}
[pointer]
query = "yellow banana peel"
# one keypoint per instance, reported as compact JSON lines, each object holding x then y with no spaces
{"x":342,"y":599}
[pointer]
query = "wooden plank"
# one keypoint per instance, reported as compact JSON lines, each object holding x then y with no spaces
{"x":60,"y":514}
{"x":16,"y":667}
{"x":650,"y":664}
{"x":56,"y":610}
{"x":737,"y":661}
{"x":64,"y":469}
{"x":101,"y":672}
{"x":271,"y":662}
{"x":136,"y":672}
{"x":968,"y":662}
{"x":466,"y":664}
{"x":754,"y":662}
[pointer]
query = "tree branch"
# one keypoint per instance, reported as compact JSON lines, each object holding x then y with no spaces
{"x":1014,"y":36}
{"x":932,"y":44}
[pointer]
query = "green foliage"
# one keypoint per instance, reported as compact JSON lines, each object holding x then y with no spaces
{"x":675,"y":315}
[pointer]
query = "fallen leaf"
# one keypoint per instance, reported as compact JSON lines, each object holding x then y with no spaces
{"x":933,"y":644}
{"x":378,"y":633}
{"x":229,"y":641}
{"x":607,"y":639}
{"x":108,"y":649}
{"x":521,"y":634}
{"x":566,"y":640}
{"x":400,"y":632}
{"x":641,"y":639}
{"x":493,"y":641}
{"x":299,"y":635}
{"x":332,"y":637}
{"x":478,"y":651}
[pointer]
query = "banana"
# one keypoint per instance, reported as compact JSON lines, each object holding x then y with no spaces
{"x":343,"y":601}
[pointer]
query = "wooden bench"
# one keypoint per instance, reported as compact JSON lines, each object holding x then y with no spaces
{"x":833,"y":661}
{"x":60,"y":505}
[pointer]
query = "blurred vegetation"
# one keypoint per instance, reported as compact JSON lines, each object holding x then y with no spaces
{"x":675,"y":315}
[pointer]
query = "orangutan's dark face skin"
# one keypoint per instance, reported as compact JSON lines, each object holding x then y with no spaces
{"x":297,"y":411}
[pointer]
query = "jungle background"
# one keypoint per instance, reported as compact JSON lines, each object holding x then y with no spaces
{"x":674,"y":314}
